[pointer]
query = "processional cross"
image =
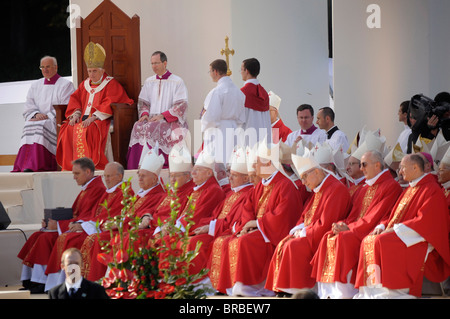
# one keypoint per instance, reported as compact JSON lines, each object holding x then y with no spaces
{"x":227,"y":53}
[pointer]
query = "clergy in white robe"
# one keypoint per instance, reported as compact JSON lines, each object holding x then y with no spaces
{"x":308,"y":132}
{"x":257,"y":113}
{"x":335,"y":137}
{"x":223,"y":117}
{"x":38,"y":144}
{"x":404,"y":135}
{"x":162,"y":107}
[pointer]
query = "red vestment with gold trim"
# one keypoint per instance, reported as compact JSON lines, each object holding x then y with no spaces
{"x":75,"y":141}
{"x":276,"y":207}
{"x":385,"y":259}
{"x":39,"y":246}
{"x":338,"y":254}
{"x":290,"y":265}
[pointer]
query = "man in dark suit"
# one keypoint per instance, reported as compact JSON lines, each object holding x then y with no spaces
{"x":75,"y":286}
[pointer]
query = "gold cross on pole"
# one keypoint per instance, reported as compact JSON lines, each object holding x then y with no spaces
{"x":227,"y":53}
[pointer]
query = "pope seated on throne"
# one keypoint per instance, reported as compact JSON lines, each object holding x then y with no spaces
{"x":89,"y":112}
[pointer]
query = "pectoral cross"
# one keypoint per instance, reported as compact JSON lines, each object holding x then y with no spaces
{"x":227,"y":53}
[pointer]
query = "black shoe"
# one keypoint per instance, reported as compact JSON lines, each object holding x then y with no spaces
{"x":37,"y":288}
{"x":26,"y":284}
{"x":283,"y":295}
{"x":27,"y":170}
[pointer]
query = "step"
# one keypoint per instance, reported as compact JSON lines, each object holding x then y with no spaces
{"x":16,"y":180}
{"x":11,"y":197}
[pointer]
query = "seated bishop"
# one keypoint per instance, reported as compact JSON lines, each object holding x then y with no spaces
{"x":411,"y":244}
{"x":181,"y":187}
{"x":89,"y":112}
{"x":266,"y":217}
{"x":206,"y":194}
{"x":224,"y":215}
{"x":37,"y":249}
{"x":336,"y":259}
{"x":205,"y":197}
{"x":280,"y":131}
{"x":148,"y":197}
{"x":110,"y":205}
{"x":290,"y":268}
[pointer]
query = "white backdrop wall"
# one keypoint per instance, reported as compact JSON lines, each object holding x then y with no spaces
{"x":289,"y":37}
{"x":376,"y":69}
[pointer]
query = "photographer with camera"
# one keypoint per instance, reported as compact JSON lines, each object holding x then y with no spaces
{"x":426,"y":117}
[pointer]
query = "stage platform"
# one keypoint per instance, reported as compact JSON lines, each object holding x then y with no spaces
{"x":25,"y":196}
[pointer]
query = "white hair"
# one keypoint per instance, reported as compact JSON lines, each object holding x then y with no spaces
{"x":55,"y":62}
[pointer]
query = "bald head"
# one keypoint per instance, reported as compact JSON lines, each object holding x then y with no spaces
{"x":113,"y":174}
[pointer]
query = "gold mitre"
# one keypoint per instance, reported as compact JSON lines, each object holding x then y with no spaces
{"x":394,"y":156}
{"x":94,"y":55}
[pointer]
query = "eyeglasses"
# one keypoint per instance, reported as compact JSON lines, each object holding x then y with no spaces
{"x":47,"y":67}
{"x":364,"y":164}
{"x":354,"y":163}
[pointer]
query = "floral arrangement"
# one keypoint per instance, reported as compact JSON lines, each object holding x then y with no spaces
{"x":141,"y":268}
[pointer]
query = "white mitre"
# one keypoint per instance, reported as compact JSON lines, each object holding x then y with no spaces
{"x":152,"y":161}
{"x":180,"y":159}
{"x":205,"y":160}
{"x":239,"y":161}
{"x":274,"y":100}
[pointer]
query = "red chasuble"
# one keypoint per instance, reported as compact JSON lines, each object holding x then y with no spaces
{"x":256,"y":97}
{"x":276,"y":207}
{"x":39,"y":246}
{"x":281,"y":131}
{"x":163,"y":210}
{"x":225,"y":215}
{"x":76,"y":239}
{"x":290,"y":265}
{"x":91,"y":246}
{"x":355,"y":188}
{"x":75,"y":141}
{"x":338,"y":254}
{"x":385,"y":259}
{"x":205,"y":199}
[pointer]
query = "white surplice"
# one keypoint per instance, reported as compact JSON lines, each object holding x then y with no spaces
{"x":40,"y":99}
{"x":224,"y":113}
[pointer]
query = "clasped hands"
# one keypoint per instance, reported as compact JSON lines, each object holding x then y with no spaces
{"x":39,"y":117}
{"x":339,"y":227}
{"x":74,"y":119}
{"x":249,"y":227}
{"x":156,"y":118}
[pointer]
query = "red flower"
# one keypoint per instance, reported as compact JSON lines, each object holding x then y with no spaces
{"x":159,"y":295}
{"x":180,"y":281}
{"x":125,"y":275}
{"x":115,"y":240}
{"x":177,"y":271}
{"x":106,"y":282}
{"x":167,"y":289}
{"x":121,"y":256}
{"x":164,"y":265}
{"x":104,"y":258}
{"x":177,"y":252}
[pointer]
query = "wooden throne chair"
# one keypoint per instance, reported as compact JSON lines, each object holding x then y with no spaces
{"x":120,"y":36}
